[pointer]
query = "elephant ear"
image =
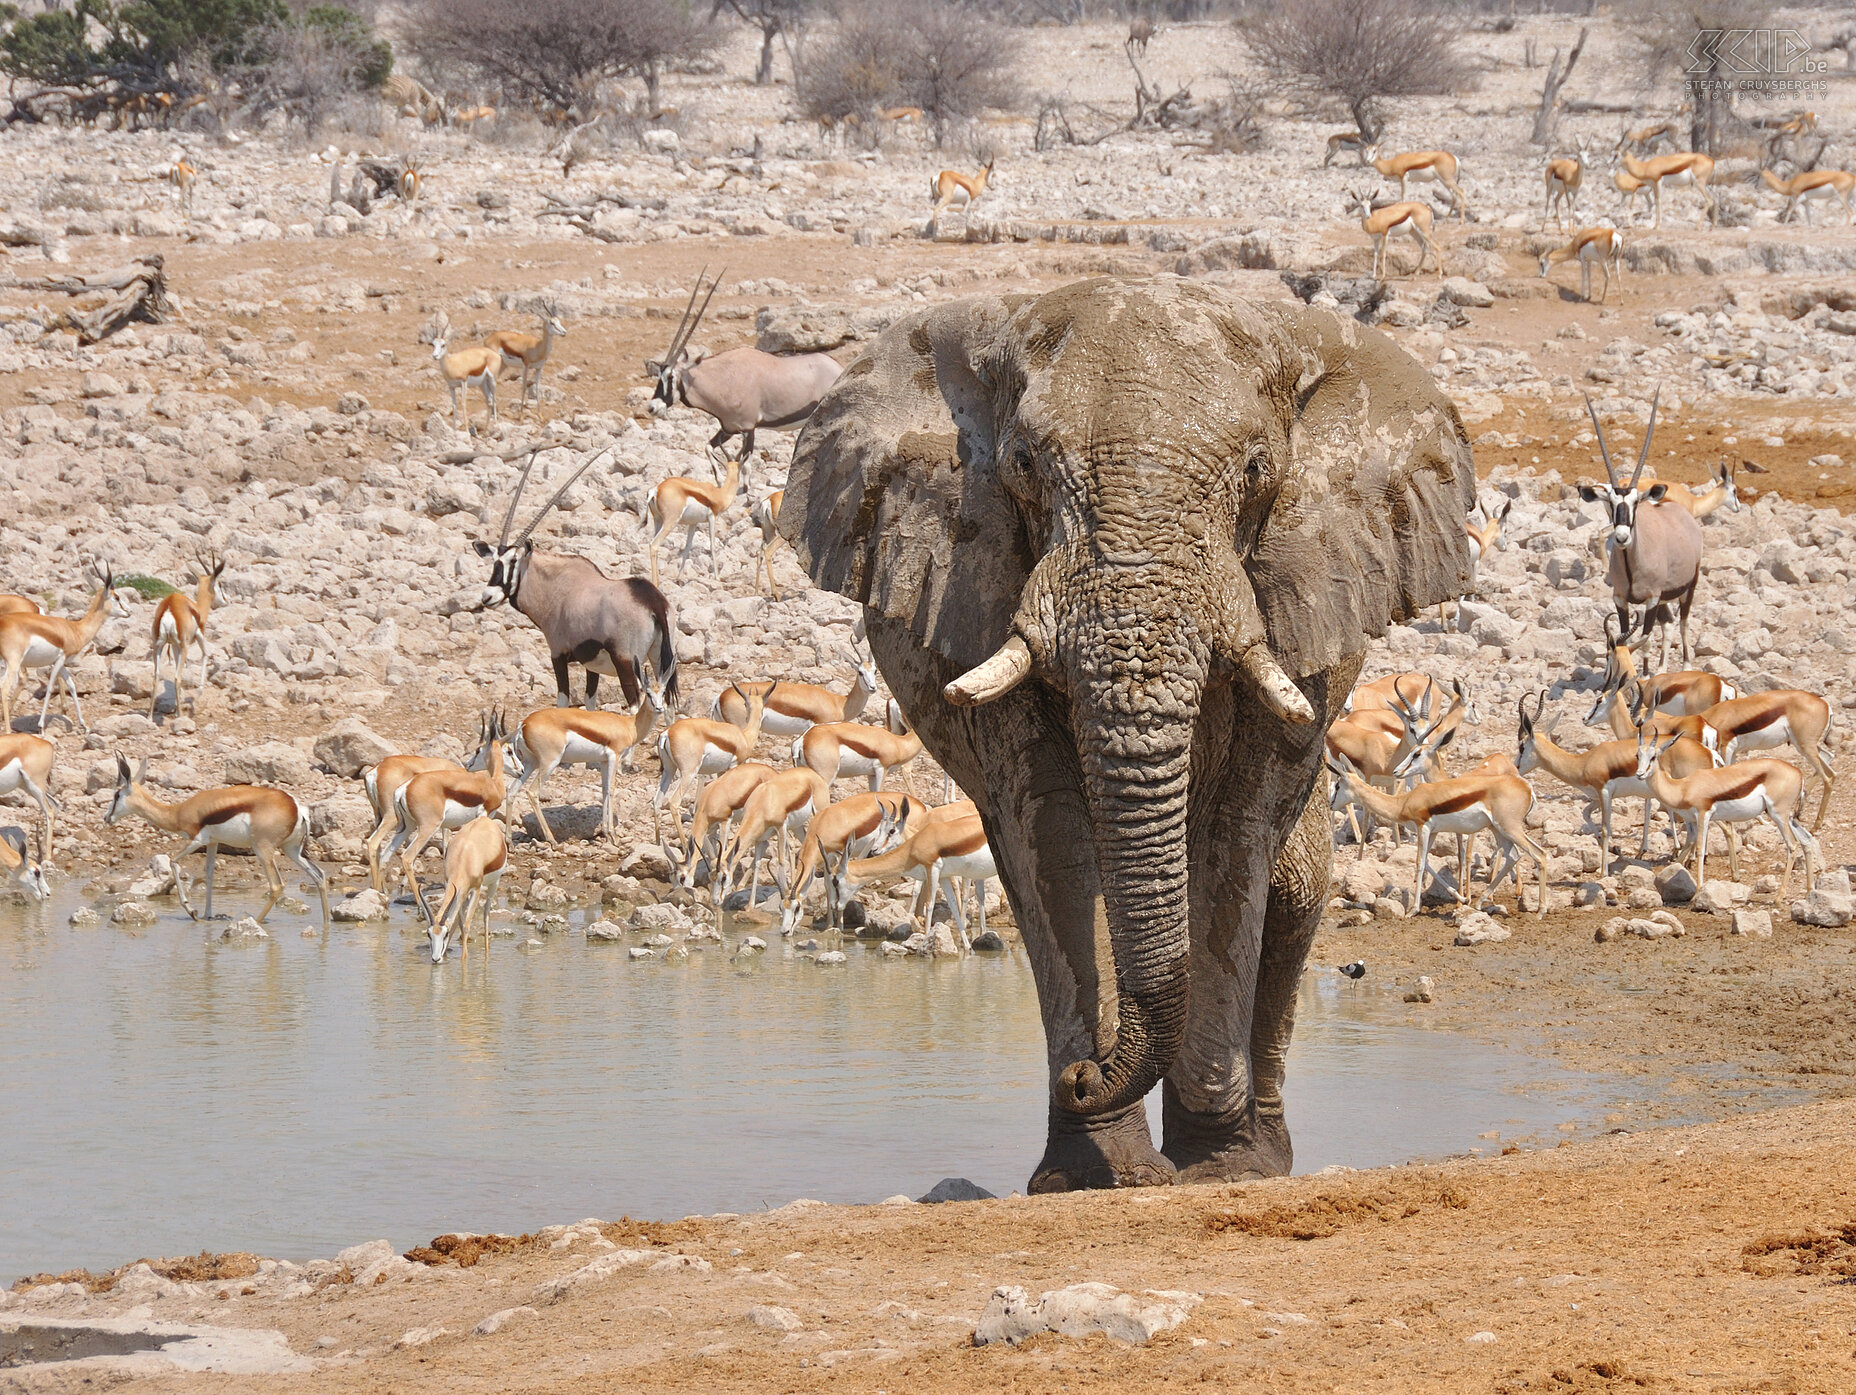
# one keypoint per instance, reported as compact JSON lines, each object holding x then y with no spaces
{"x":895,"y":475}
{"x":1368,"y":529}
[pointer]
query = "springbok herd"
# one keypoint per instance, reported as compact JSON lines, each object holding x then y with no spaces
{"x":1681,"y":740}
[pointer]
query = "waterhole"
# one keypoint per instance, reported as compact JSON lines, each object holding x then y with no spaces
{"x":162,"y":1091}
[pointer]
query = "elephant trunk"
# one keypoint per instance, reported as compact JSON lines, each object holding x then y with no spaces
{"x":1135,"y":776}
{"x":1133,"y":640}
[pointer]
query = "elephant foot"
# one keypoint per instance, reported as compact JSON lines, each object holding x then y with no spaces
{"x":1113,"y":1150}
{"x":1239,"y":1146}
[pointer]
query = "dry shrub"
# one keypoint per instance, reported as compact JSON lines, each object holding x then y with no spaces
{"x":1327,"y":1215}
{"x":949,"y":61}
{"x":1807,"y":1252}
{"x":1359,"y":52}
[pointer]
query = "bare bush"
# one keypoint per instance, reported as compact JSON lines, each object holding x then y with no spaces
{"x":1666,"y":42}
{"x":777,"y":20}
{"x":556,"y":55}
{"x":951,"y":62}
{"x":1359,"y":52}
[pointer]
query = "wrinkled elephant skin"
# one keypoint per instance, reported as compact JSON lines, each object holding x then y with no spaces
{"x":1121,"y":547}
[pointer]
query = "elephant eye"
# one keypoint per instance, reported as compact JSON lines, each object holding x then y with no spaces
{"x":1256,"y":468}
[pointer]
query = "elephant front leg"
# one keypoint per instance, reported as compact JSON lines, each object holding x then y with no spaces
{"x":1226,"y":1123}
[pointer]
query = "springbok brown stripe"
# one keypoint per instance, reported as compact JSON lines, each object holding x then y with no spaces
{"x":1758,"y":721}
{"x":1458,"y":802}
{"x":1741,"y":788}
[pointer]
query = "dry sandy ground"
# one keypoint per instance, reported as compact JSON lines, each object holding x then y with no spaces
{"x":1717,"y":1258}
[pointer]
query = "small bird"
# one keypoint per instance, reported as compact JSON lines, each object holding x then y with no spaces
{"x":1355,"y":970}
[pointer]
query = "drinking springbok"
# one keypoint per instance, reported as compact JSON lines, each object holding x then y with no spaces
{"x":265,"y":822}
{"x":782,"y":804}
{"x":745,"y":390}
{"x":586,"y":617}
{"x":721,"y":799}
{"x":1655,"y":548}
{"x":26,"y":767}
{"x":446,"y":800}
{"x":18,"y":865}
{"x":46,"y":641}
{"x":385,"y":780}
{"x":854,"y":827}
{"x":474,"y":866}
{"x":955,"y":848}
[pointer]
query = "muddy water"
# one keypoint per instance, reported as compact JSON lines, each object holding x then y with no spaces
{"x":161,"y":1091}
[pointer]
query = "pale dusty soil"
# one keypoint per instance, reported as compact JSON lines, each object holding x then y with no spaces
{"x":1717,"y":1258}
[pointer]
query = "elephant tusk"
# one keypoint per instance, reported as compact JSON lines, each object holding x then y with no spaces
{"x":996,"y":677}
{"x":1274,"y":686}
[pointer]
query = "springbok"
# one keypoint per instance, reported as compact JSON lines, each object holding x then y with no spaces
{"x":467,"y":368}
{"x":1383,"y":756}
{"x":1421,"y":167}
{"x":1783,"y":716}
{"x":607,"y":626}
{"x":180,"y":622}
{"x":950,"y":188}
{"x":1380,"y":223}
{"x":953,"y":848}
{"x":765,"y":515}
{"x":46,"y":641}
{"x":782,"y":804}
{"x":1646,"y":138}
{"x":1655,"y":548}
{"x":11,"y":604}
{"x":1483,"y":537}
{"x":26,"y":768}
{"x":853,"y":827}
{"x":697,"y":746}
{"x":1354,"y":142}
{"x":18,"y":865}
{"x":474,"y":866}
{"x":901,"y":116}
{"x":1737,"y":793}
{"x":409,"y":183}
{"x":1687,"y":694}
{"x":1141,"y":31}
{"x":257,"y":819}
{"x":1603,"y":774}
{"x":1723,"y":492}
{"x":385,"y":780}
{"x":1563,"y":179}
{"x":181,"y":179}
{"x":1690,"y":167}
{"x":528,"y":353}
{"x":1631,"y":188}
{"x":446,"y":800}
{"x":557,"y":736}
{"x":856,"y":749}
{"x":1467,"y":805}
{"x":745,"y":390}
{"x":1411,"y":687}
{"x":1801,"y":190}
{"x":1600,"y":247}
{"x":793,"y":708}
{"x":716,"y":808}
{"x":681,"y":502}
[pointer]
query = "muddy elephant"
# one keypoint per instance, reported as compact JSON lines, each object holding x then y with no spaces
{"x":1120,"y":548}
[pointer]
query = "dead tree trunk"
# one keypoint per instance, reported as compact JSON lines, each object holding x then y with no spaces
{"x":1547,"y":119}
{"x":138,"y":291}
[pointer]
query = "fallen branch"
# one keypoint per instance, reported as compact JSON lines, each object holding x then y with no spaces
{"x":138,"y":291}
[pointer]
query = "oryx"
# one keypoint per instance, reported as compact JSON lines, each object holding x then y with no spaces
{"x":610,"y":627}
{"x":1654,"y":547}
{"x":743,"y":389}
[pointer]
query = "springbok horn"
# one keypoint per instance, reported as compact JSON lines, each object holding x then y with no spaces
{"x":1009,"y":666}
{"x":555,"y":498}
{"x":1610,"y":473}
{"x":1648,"y":432}
{"x":502,"y":538}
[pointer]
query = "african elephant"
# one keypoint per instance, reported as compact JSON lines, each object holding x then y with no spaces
{"x":1120,"y":548}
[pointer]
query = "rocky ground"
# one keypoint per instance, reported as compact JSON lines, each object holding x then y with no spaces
{"x":287,"y":415}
